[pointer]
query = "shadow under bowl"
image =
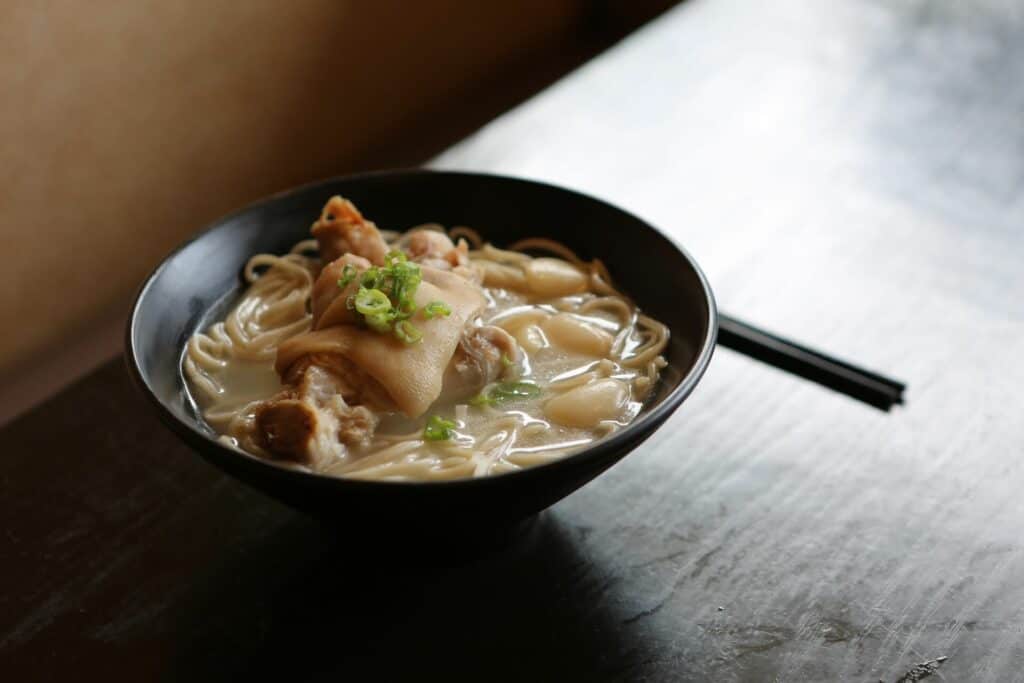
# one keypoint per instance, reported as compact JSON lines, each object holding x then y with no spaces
{"x":199,"y":282}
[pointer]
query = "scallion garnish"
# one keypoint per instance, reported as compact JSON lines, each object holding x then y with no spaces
{"x":435,"y":309}
{"x":404,"y":279}
{"x":348,"y":274}
{"x":381,"y":322}
{"x":438,"y":429}
{"x":480,"y":400}
{"x":386,"y":297}
{"x":372,"y":278}
{"x":506,"y":391}
{"x":407,"y":332}
{"x":510,"y":391}
{"x":372,"y":302}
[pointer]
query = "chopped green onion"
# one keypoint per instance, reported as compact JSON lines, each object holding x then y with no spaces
{"x":386,"y":298}
{"x":380,"y":322}
{"x":372,"y":302}
{"x":435,"y":309}
{"x":505,"y":360}
{"x":407,"y":306}
{"x":407,"y":332}
{"x":348,"y":274}
{"x":372,"y":278}
{"x":506,"y":391}
{"x":404,"y":279}
{"x":480,"y":400}
{"x":438,"y":429}
{"x":510,"y":391}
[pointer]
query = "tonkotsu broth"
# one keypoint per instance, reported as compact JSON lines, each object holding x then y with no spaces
{"x":592,"y":355}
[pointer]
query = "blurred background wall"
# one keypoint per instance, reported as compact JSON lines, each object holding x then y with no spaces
{"x":127,"y":125}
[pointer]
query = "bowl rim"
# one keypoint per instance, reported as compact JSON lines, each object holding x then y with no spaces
{"x":642,"y":426}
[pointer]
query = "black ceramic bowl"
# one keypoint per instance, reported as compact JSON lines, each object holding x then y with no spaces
{"x":199,"y":281}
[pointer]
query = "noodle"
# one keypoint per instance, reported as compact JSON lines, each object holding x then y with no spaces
{"x":230,"y":366}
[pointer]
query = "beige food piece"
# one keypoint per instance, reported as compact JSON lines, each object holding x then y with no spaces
{"x":502,"y":276}
{"x":575,"y":335}
{"x":586,"y":406}
{"x":525,"y":327}
{"x":513,"y":322}
{"x":553,"y":277}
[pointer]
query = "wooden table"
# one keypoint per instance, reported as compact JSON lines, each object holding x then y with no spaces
{"x":847,"y":173}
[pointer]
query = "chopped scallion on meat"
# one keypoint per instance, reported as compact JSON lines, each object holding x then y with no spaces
{"x":435,"y":309}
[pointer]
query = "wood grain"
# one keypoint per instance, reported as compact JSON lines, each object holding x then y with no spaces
{"x":849,"y":174}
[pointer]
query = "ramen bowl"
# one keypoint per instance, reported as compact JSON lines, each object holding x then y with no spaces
{"x":200,"y":281}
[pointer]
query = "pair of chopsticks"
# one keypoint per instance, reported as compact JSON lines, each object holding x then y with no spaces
{"x":871,"y":388}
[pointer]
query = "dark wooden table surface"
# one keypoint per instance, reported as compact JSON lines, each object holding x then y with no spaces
{"x":848,"y":173}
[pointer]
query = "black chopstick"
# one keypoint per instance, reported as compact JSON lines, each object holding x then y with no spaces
{"x":864,"y":385}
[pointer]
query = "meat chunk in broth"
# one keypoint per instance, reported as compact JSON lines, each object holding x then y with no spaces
{"x":435,"y":249}
{"x":326,"y":407}
{"x":342,"y":230}
{"x":484,"y":354}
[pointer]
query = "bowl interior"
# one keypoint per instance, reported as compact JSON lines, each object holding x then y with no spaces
{"x":198,"y":283}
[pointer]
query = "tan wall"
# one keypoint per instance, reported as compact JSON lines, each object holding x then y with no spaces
{"x":125,"y":125}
